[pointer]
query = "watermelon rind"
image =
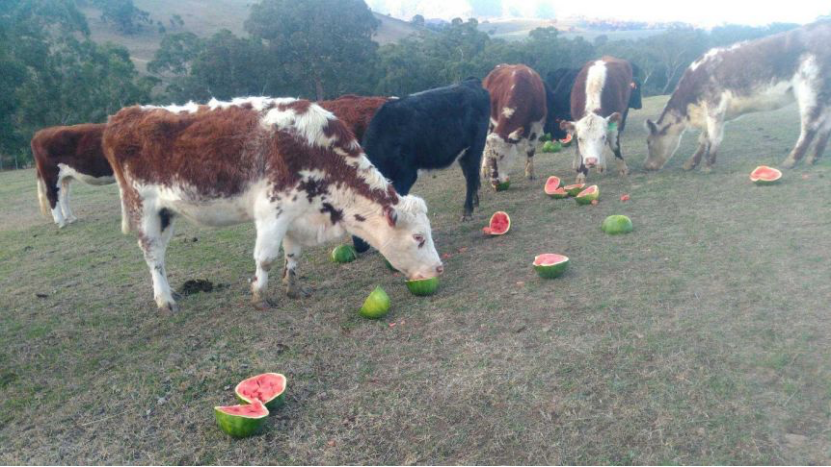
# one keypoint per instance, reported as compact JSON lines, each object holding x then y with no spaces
{"x":240,"y":426}
{"x":502,"y":186}
{"x":276,"y":401}
{"x":556,"y":183}
{"x":552,"y":146}
{"x":617,"y":224}
{"x":566,"y":142}
{"x":376,"y":305}
{"x":588,"y":195}
{"x":575,"y":189}
{"x":423,"y":288}
{"x":344,"y":254}
{"x":489,"y":231}
{"x":756,"y":176}
{"x":550,"y":271}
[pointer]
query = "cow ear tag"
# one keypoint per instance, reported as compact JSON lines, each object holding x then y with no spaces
{"x":612,"y":127}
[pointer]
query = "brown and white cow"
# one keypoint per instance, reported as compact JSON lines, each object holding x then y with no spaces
{"x":355,"y":111}
{"x":63,"y":154}
{"x":518,"y":110}
{"x":764,"y":74}
{"x":599,"y":106}
{"x":288,"y":165}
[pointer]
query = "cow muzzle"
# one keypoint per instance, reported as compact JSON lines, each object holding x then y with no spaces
{"x":591,"y":162}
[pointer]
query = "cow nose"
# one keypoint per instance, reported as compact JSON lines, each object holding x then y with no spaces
{"x":591,"y":162}
{"x":440,"y":269}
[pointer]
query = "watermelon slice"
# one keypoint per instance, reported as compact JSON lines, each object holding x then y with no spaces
{"x":575,"y":189}
{"x":550,"y":265}
{"x":554,"y":188}
{"x":500,"y":224}
{"x":566,"y":142}
{"x":588,"y":196}
{"x":241,"y":421}
{"x":268,"y":388}
{"x":764,"y":175}
{"x":424,"y":287}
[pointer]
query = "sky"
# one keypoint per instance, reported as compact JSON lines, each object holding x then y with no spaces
{"x":698,"y":12}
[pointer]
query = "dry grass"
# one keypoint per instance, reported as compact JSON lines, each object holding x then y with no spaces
{"x":701,"y":338}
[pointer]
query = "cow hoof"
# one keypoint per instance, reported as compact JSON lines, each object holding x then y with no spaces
{"x":71,"y":220}
{"x":169,"y":307}
{"x":530,"y":176}
{"x":466,"y":217}
{"x":788,"y":163}
{"x":812,"y":160}
{"x":688,"y":166}
{"x":623,"y":172}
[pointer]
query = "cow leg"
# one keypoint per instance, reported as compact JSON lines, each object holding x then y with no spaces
{"x":715,"y":134}
{"x":155,"y":232}
{"x":806,"y":96}
{"x":63,"y":196}
{"x":614,"y":144}
{"x":292,"y":250}
{"x":50,"y":179}
{"x":470,"y":166}
{"x":529,"y":161}
{"x":271,"y":232}
{"x":821,"y":144}
{"x":703,"y":145}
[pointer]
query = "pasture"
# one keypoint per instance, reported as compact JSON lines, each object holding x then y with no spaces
{"x":703,"y":337}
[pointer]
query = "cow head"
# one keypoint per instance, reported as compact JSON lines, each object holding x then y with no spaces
{"x":662,"y":142}
{"x":592,"y":133}
{"x":405,"y":239}
{"x":498,"y":157}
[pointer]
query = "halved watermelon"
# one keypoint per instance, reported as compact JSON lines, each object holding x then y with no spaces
{"x":268,"y":388}
{"x":550,"y":265}
{"x":575,"y":189}
{"x":500,"y":224}
{"x":764,"y":175}
{"x":566,"y":142}
{"x":502,"y":186}
{"x":588,"y":196}
{"x":243,"y":420}
{"x":554,"y":187}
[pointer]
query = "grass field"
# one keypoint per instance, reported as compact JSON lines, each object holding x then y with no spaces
{"x":703,"y":337}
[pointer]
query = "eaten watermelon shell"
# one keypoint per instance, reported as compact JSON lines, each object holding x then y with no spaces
{"x":574,"y":190}
{"x":554,"y":187}
{"x":764,"y":175}
{"x":376,"y":305}
{"x":500,"y":224}
{"x":566,"y":142}
{"x":241,"y":421}
{"x":588,"y":195}
{"x":550,"y":265}
{"x":344,"y":254}
{"x":502,"y":186}
{"x":268,"y":388}
{"x":424,"y":287}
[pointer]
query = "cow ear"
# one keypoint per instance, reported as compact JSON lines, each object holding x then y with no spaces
{"x":651,"y":126}
{"x":391,"y":215}
{"x":565,"y":125}
{"x":615,"y":118}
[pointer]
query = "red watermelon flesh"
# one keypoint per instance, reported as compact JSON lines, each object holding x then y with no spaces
{"x":764,"y":173}
{"x":255,"y":410}
{"x":263,"y":388}
{"x":548,"y":259}
{"x":499,"y":225}
{"x":552,"y":185}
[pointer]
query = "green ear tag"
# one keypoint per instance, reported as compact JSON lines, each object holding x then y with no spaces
{"x":612,"y":127}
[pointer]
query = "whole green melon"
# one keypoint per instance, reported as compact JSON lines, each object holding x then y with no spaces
{"x":344,"y":254}
{"x":617,"y":224}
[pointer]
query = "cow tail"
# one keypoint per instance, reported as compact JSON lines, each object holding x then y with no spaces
{"x":44,"y":202}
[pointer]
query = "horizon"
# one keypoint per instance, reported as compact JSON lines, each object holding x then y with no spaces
{"x":704,"y":13}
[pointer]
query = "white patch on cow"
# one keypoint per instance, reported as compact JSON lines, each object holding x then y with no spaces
{"x":592,"y":133}
{"x":516,"y":134}
{"x":65,"y":171}
{"x":595,"y":82}
{"x":806,"y":85}
{"x":310,"y":124}
{"x":190,"y":107}
{"x":507,"y":112}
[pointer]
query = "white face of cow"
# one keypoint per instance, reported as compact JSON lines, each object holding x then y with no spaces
{"x":407,"y":243}
{"x":592,"y":133}
{"x":498,"y":158}
{"x":662,"y":143}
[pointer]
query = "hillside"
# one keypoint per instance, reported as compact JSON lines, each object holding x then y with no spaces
{"x":205,"y":21}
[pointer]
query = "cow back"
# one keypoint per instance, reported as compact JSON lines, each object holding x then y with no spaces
{"x":614,"y":89}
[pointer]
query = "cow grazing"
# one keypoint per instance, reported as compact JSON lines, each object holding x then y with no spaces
{"x":286,"y":164}
{"x":599,"y":105}
{"x":355,"y":111}
{"x":764,"y":74}
{"x":518,"y":114}
{"x":431,"y":130}
{"x":63,"y":154}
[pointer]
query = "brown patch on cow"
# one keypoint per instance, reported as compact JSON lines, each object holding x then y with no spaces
{"x":615,"y":94}
{"x":355,"y":111}
{"x":77,"y":146}
{"x":743,"y":68}
{"x":520,"y":88}
{"x":299,"y":107}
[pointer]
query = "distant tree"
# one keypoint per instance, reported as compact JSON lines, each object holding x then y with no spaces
{"x":418,"y":20}
{"x":325,"y":43}
{"x":177,"y":21}
{"x":123,"y":15}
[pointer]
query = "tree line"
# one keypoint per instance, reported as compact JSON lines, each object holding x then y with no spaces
{"x":53,"y":74}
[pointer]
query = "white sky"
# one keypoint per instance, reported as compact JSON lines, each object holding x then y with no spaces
{"x":699,"y":12}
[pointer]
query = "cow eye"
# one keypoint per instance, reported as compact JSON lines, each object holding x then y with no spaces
{"x":419,"y":239}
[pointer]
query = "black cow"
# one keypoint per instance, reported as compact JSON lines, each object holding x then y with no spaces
{"x":558,"y":84}
{"x":430,"y":130}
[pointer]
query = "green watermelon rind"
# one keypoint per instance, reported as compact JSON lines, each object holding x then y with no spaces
{"x":574,"y":189}
{"x":239,"y":426}
{"x":553,"y":271}
{"x":617,"y":224}
{"x":502,"y":186}
{"x":343,"y":254}
{"x":272,"y":404}
{"x":587,"y":199}
{"x":423,"y":288}
{"x":376,"y":305}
